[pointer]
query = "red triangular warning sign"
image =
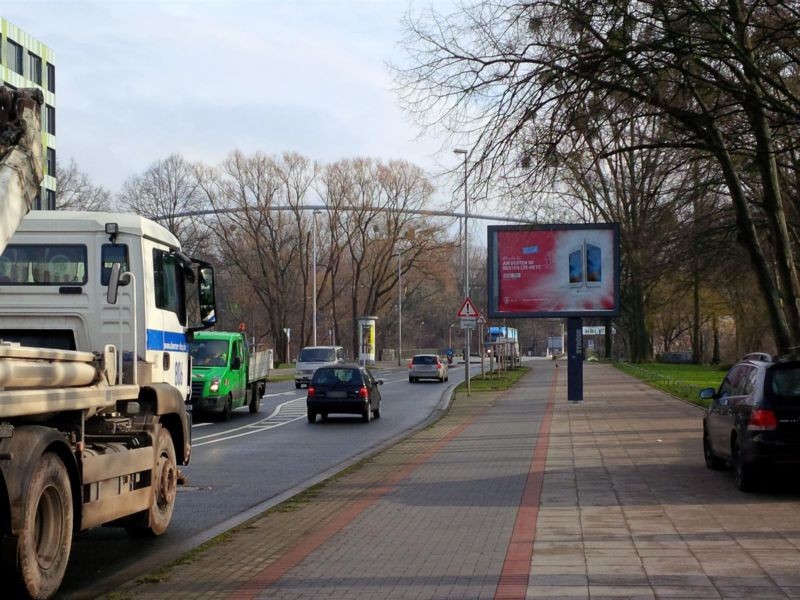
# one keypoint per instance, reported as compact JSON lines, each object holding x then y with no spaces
{"x":468,"y":309}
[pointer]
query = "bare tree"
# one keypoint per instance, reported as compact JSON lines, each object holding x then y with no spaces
{"x":521,"y":78}
{"x":166,"y":191}
{"x":75,"y":190}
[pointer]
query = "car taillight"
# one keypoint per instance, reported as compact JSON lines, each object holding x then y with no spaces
{"x":762,"y":420}
{"x":438,"y":365}
{"x":311,"y":392}
{"x":409,"y":365}
{"x":362,"y":393}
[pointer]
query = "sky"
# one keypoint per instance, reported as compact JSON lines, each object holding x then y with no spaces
{"x":138,"y":80}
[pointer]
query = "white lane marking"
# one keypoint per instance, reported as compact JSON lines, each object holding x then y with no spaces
{"x":250,"y":425}
{"x":278,"y":394}
{"x":262,"y":425}
{"x":200,"y":425}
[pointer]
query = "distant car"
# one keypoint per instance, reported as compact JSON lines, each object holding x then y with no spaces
{"x":313,"y":357}
{"x":348,"y":389}
{"x":427,"y":366}
{"x":753,"y":421}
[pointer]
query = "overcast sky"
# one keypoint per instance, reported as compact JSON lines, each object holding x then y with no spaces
{"x":138,"y":80}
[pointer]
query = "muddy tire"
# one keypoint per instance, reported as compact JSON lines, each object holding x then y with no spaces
{"x":44,"y":545}
{"x":156,"y":520}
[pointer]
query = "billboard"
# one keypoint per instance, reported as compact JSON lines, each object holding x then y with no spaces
{"x":553,"y":270}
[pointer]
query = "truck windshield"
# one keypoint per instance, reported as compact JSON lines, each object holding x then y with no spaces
{"x":209,"y":353}
{"x":43,"y":264}
{"x":317,"y":355}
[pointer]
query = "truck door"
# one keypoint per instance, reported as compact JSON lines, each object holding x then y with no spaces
{"x":166,"y":335}
{"x":240,"y":376}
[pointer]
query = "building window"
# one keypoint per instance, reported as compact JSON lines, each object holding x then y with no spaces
{"x":14,"y":56}
{"x":51,"y":162}
{"x":51,"y":78}
{"x":49,"y":200}
{"x":49,"y":119}
{"x":34,"y":68}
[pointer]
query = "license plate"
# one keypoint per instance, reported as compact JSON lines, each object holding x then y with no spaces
{"x":337,"y":394}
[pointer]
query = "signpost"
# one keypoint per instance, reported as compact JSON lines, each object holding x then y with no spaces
{"x":467,"y":311}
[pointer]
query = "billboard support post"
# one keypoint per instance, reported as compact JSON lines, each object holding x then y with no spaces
{"x":574,"y":360}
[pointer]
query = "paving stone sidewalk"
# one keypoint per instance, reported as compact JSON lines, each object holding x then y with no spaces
{"x":626,"y":510}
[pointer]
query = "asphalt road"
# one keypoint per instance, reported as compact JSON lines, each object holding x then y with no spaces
{"x":242,"y":467}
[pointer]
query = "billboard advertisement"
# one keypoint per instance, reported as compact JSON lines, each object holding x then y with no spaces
{"x":553,"y":270}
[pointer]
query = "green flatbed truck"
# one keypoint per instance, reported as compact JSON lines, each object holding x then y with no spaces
{"x":226,"y":374}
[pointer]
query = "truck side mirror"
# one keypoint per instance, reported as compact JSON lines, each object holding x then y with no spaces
{"x":205,"y":294}
{"x":113,"y":284}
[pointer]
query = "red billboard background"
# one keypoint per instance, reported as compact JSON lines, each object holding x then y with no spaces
{"x":568,"y":270}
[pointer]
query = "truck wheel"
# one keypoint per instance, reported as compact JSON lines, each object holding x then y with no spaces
{"x":45,"y":543}
{"x":225,"y":415}
{"x":257,"y":390}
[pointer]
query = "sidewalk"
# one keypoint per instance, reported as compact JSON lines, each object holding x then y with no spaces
{"x":516,"y":495}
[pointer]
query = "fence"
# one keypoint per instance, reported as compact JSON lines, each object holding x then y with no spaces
{"x":676,"y":387}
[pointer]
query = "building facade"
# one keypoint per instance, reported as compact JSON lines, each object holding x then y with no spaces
{"x":27,"y":62}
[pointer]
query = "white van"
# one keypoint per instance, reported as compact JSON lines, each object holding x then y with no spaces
{"x":312,"y":358}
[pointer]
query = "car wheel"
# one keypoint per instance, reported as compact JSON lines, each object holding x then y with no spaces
{"x":366,"y":414}
{"x":713,"y":462}
{"x":377,"y":412}
{"x":744,"y":473}
{"x":324,"y":416}
{"x":410,"y":380}
{"x":312,"y":416}
{"x":297,"y":386}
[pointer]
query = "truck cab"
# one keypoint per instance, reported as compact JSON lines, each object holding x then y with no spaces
{"x":53,"y":284}
{"x":219,"y":372}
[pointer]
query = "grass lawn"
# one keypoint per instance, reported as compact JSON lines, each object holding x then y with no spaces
{"x":683,"y":381}
{"x":495,"y":382}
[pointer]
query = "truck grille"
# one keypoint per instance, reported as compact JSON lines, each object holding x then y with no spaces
{"x":197,"y":388}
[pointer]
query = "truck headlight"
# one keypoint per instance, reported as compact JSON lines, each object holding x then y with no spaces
{"x":214,"y":385}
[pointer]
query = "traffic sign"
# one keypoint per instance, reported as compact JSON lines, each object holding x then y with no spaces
{"x":468,"y":322}
{"x":598,"y":330}
{"x":468,"y":309}
{"x":481,"y":319}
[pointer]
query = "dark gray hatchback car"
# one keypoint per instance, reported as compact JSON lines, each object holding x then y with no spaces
{"x":753,"y":421}
{"x":349,"y":389}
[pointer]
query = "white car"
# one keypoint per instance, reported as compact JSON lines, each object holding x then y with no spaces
{"x":312,"y":358}
{"x":427,"y":366}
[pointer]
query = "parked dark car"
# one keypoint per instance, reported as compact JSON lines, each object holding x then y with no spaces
{"x":753,"y":421}
{"x":343,"y":389}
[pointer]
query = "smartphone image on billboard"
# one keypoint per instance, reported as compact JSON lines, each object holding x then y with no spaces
{"x":594,"y":265}
{"x":576,"y":268}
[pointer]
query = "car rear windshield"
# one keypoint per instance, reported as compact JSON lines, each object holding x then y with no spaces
{"x":424,"y":360}
{"x":337,"y":377}
{"x":784,"y":381}
{"x":317,"y":355}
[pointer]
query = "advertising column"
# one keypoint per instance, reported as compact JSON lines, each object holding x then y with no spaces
{"x":366,"y":336}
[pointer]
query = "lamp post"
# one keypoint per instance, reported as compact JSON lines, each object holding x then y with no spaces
{"x":399,"y":309}
{"x":450,"y":337}
{"x":466,"y":267}
{"x":419,"y":335}
{"x":314,"y":271}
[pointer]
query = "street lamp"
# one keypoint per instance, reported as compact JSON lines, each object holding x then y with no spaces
{"x":419,"y":335}
{"x":399,"y":308}
{"x":314,"y":270}
{"x":450,"y":337}
{"x":466,"y":267}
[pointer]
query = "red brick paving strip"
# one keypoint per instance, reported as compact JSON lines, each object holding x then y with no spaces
{"x":273,"y":572}
{"x":513,"y":584}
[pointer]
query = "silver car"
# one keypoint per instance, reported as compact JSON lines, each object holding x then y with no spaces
{"x":427,"y":366}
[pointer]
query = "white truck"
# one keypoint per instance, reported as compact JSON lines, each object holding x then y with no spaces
{"x":96,"y":310}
